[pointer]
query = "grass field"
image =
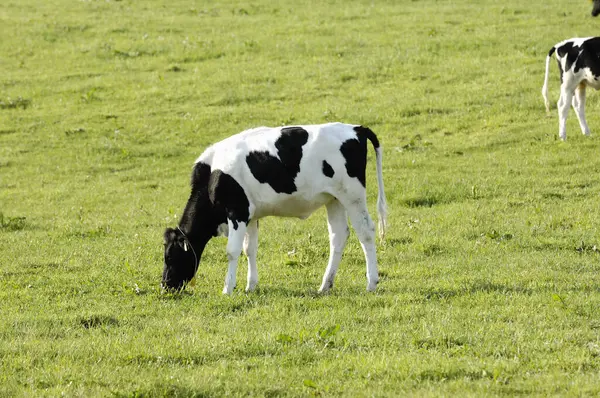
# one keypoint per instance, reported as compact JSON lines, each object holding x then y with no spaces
{"x":490,"y":279}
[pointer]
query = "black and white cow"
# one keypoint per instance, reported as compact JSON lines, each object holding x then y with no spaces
{"x":579,"y":65}
{"x":284,"y":171}
{"x":596,"y":8}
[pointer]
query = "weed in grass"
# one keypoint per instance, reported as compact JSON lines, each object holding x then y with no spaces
{"x":415,"y":144}
{"x":175,"y":68}
{"x":425,"y":201}
{"x":406,"y":240}
{"x":129,"y":54}
{"x":284,"y":339}
{"x":313,"y":387}
{"x":320,"y":338}
{"x":446,"y":342}
{"x":90,"y":95}
{"x":96,"y":321}
{"x":74,"y":131}
{"x":12,"y":224}
{"x":16,"y":103}
{"x":94,"y":233}
{"x":436,"y":375}
{"x":497,"y":236}
{"x":432,"y":250}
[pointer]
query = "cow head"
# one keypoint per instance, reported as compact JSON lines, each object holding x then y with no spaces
{"x":181,"y":260}
{"x":596,"y":8}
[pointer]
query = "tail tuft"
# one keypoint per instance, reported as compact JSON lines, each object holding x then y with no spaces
{"x":382,"y":211}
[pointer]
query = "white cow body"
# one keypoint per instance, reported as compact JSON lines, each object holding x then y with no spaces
{"x":285,"y":171}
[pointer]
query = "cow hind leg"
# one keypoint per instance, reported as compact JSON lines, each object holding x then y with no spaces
{"x":579,"y":107}
{"x":337,"y":224}
{"x":235,"y":242}
{"x":365,"y":230}
{"x":563,"y":105}
{"x":250,"y":250}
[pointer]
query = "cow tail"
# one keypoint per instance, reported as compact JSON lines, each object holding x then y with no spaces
{"x":381,"y":201}
{"x":545,"y":87}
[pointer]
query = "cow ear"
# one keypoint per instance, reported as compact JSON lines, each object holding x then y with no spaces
{"x":169,"y":235}
{"x":182,"y":242}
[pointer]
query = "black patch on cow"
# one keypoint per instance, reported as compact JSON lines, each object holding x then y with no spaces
{"x":195,"y":229}
{"x":327,"y":170}
{"x":589,"y":56}
{"x":280,"y":172}
{"x":355,"y":152}
{"x":569,"y":52}
{"x":198,"y":224}
{"x":199,"y":218}
{"x":215,"y":197}
{"x":228,"y":196}
{"x":366,"y":133}
{"x":200,"y":175}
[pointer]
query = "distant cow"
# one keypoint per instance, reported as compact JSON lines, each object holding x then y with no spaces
{"x":579,"y":64}
{"x":596,"y":8}
{"x":284,"y":171}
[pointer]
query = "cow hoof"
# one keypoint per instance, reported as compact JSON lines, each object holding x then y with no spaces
{"x":325,"y":287}
{"x":228,"y":291}
{"x":371,"y":287}
{"x":251,"y":286}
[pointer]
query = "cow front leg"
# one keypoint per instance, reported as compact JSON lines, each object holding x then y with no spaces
{"x":250,"y":249}
{"x":235,"y":242}
{"x":337,"y":224}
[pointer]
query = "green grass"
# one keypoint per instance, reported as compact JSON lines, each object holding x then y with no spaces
{"x":490,"y":281}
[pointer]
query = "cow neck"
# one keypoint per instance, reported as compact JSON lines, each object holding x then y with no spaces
{"x":192,"y":222}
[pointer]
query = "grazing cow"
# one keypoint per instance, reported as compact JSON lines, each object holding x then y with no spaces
{"x":579,"y":65}
{"x":596,"y":8}
{"x":284,"y":171}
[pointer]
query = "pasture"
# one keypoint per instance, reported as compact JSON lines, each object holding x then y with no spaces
{"x":490,"y":279}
